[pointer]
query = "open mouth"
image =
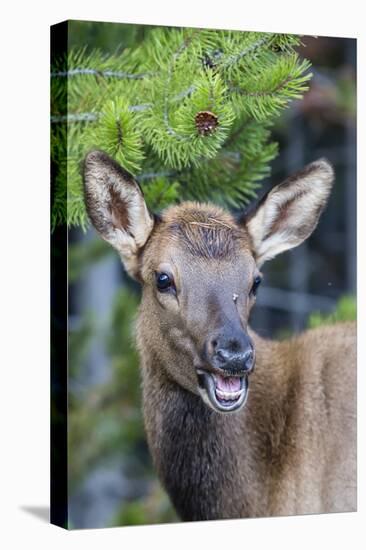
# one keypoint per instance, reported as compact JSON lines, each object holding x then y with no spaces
{"x":223,"y":393}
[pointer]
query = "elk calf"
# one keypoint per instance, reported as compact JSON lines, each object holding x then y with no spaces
{"x":287,"y":446}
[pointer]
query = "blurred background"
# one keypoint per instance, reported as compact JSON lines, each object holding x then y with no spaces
{"x":111,"y":480}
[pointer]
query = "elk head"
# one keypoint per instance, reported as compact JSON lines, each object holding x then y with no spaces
{"x":200,"y":269}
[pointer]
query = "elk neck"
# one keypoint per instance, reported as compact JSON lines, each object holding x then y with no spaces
{"x":206,"y":460}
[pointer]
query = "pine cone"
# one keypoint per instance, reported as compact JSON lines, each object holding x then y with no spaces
{"x":206,"y":122}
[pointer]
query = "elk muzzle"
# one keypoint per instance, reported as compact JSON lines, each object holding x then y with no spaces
{"x":231,"y":352}
{"x":230,"y":358}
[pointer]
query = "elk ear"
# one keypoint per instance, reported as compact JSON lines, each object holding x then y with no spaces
{"x":289,"y":213}
{"x":116,"y":207}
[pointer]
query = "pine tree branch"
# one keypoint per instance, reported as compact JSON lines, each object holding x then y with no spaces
{"x":175,"y":57}
{"x":185,"y":93}
{"x":233,"y":59}
{"x":280,"y":86}
{"x":153,"y":175}
{"x":78,"y":117}
{"x":143,"y":111}
{"x":236,"y":133}
{"x":106,"y":73}
{"x":92,"y":117}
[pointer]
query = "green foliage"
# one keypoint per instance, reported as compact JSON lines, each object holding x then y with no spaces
{"x":240,"y":170}
{"x":174,"y":136}
{"x":105,"y":422}
{"x":160,"y":193}
{"x":106,"y":418}
{"x":346,"y":310}
{"x":187,"y":111}
{"x":267,"y":92}
{"x":155,"y":508}
{"x":83,"y":254}
{"x":116,"y":129}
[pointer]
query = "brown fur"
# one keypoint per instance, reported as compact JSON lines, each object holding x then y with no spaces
{"x":291,"y":448}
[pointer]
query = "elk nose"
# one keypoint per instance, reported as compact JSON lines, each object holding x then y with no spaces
{"x":234,"y":353}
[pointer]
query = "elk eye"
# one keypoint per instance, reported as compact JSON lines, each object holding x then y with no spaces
{"x":164,"y":282}
{"x":257,"y":281}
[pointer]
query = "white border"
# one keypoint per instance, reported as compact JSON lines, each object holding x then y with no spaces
{"x":24,"y":270}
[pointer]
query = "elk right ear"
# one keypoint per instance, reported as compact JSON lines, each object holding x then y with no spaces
{"x":116,"y":207}
{"x":288,"y":214}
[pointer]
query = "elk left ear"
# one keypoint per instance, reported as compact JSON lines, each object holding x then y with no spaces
{"x":116,"y":207}
{"x":289,"y":213}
